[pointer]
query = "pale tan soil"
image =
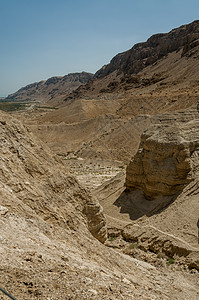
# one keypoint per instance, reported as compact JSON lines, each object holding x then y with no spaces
{"x":173,"y":224}
{"x":113,"y":135}
{"x":46,"y":249}
{"x":92,"y":173}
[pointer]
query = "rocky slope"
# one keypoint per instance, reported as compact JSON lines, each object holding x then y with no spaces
{"x":46,"y":218}
{"x":165,"y":170}
{"x":144,"y":54}
{"x":91,"y":135}
{"x":164,"y":60}
{"x":114,"y":108}
{"x":28,"y":173}
{"x":47,"y":90}
{"x":47,"y":251}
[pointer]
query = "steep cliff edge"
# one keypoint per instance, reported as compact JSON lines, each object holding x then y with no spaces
{"x":166,"y":161}
{"x":160,"y":200}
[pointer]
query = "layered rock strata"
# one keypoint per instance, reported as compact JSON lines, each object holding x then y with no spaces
{"x":166,"y":161}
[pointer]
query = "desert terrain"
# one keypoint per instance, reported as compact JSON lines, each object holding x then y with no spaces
{"x":100,"y":181}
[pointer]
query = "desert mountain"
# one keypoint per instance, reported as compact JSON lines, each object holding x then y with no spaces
{"x":105,"y":117}
{"x":53,"y":87}
{"x":141,"y":55}
{"x":164,"y":60}
{"x":52,"y":228}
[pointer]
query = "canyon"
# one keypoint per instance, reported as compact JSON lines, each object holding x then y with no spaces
{"x":100,"y":195}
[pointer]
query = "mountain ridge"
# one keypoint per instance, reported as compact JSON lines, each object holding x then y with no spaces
{"x":149,"y":64}
{"x":145,"y":64}
{"x":46,"y":90}
{"x":164,"y":43}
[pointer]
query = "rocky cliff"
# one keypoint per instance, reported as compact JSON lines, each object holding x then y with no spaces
{"x":163,"y":61}
{"x":166,"y":161}
{"x":144,"y":54}
{"x":47,"y":90}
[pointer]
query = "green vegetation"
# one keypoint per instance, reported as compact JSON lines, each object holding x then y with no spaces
{"x":122,"y":167}
{"x":11,"y":106}
{"x":111,"y":238}
{"x":47,"y":107}
{"x":170,"y":261}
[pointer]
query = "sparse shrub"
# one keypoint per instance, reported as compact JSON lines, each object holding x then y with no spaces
{"x":170,"y":261}
{"x":111,"y":238}
{"x":121,"y":167}
{"x":133,"y":245}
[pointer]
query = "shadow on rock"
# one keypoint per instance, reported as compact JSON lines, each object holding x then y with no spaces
{"x":136,"y":205}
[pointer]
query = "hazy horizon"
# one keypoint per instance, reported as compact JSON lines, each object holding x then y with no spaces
{"x":42,"y":39}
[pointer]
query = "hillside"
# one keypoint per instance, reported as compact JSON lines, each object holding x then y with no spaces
{"x":164,"y":66}
{"x":99,"y":198}
{"x":157,"y":46}
{"x":47,"y":250}
{"x":164,"y":60}
{"x":105,"y":117}
{"x":47,"y":90}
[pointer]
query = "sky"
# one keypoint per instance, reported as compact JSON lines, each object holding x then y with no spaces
{"x":44,"y":38}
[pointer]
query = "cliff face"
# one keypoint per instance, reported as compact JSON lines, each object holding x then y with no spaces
{"x":47,"y":90}
{"x":166,"y":161}
{"x":144,"y":54}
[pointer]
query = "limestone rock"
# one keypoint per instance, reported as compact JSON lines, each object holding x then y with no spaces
{"x":157,"y":241}
{"x":166,"y":161}
{"x":96,"y":220}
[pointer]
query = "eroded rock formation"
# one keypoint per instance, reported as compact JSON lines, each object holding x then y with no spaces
{"x":166,"y":161}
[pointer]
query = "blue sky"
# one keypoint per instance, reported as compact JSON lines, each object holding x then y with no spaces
{"x":44,"y":38}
